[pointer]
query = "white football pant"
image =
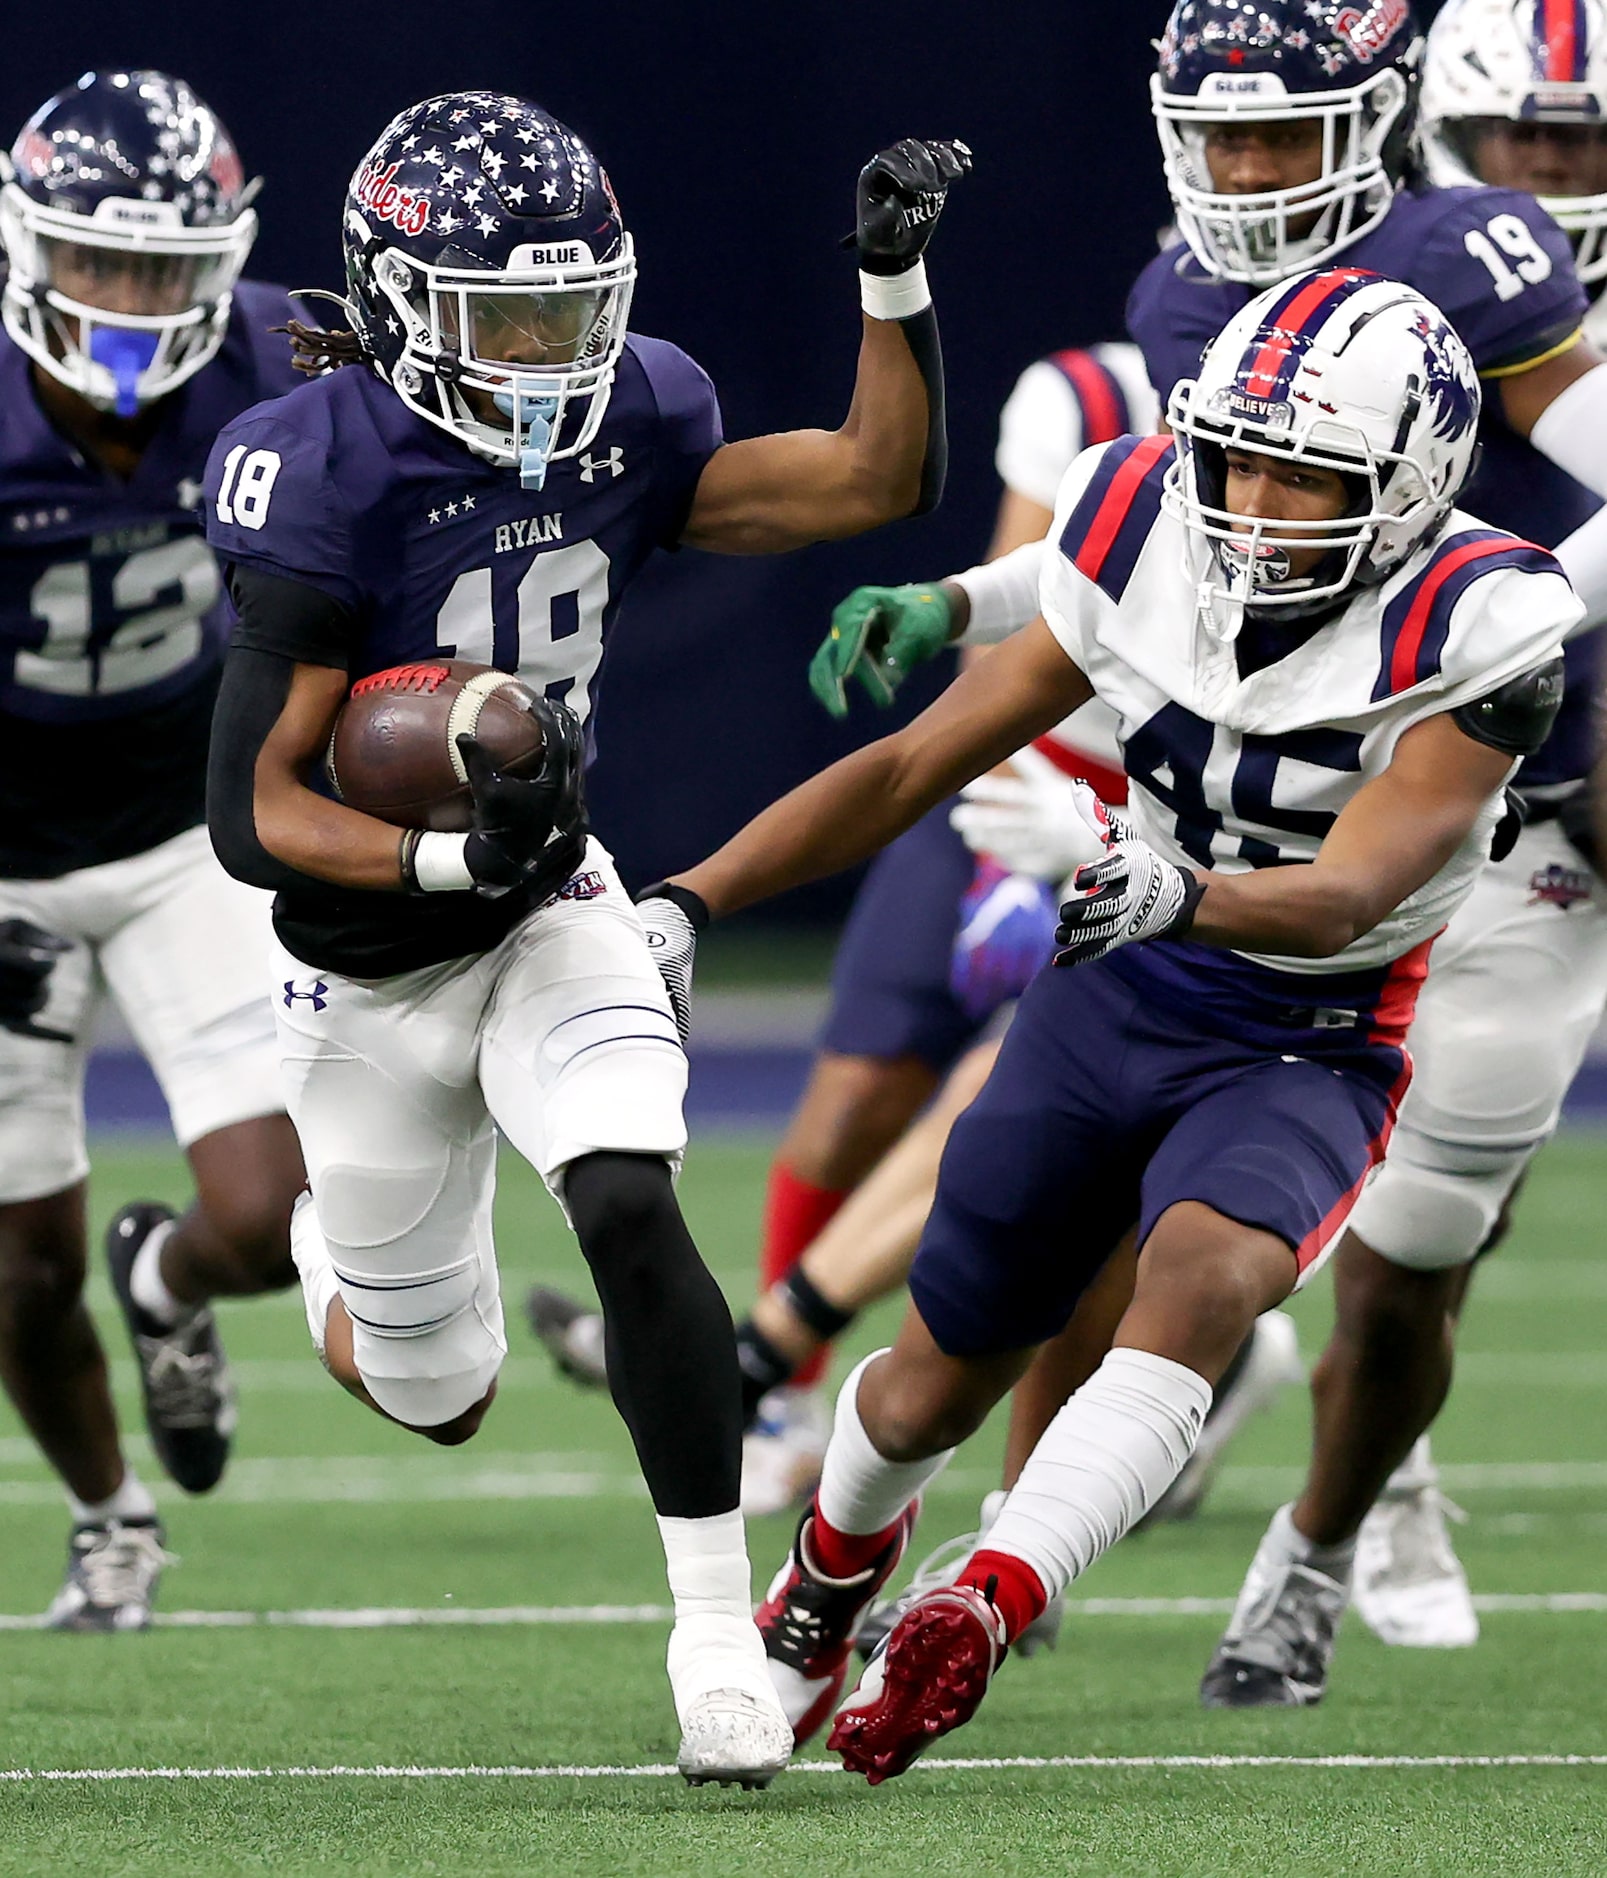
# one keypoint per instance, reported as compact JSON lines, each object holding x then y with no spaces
{"x":562,"y":1037}
{"x":1515,"y":989}
{"x":183,"y":949}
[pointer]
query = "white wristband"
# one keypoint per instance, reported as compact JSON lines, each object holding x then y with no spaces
{"x":1003,"y":594}
{"x":894,"y":296}
{"x":438,"y":863}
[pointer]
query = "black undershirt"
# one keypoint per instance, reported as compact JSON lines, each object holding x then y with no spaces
{"x":359,"y":934}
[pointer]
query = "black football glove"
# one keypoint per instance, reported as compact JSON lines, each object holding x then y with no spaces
{"x":672,"y":917}
{"x":28,"y":955}
{"x":899,"y":199}
{"x":527,"y":830}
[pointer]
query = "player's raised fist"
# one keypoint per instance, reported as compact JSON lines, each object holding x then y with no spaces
{"x":901,"y":192}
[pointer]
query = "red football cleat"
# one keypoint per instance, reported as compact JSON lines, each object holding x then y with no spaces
{"x":808,"y":1622}
{"x":929,"y":1679}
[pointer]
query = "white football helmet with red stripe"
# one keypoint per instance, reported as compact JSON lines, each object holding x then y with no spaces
{"x":1532,"y":63}
{"x":1340,"y":370}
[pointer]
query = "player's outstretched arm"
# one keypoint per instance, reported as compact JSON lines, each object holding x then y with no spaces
{"x":765,"y":495}
{"x":858,"y":805}
{"x":1393,"y":836}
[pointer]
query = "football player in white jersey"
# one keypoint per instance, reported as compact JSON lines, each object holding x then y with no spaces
{"x":1324,"y":675}
{"x":940,"y":940}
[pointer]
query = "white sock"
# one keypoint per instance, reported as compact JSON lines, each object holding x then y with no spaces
{"x":132,"y":1500}
{"x":319,"y":1286}
{"x":715,"y":1643}
{"x":148,"y":1286}
{"x":1333,"y":1561}
{"x":860,"y":1490}
{"x":1104,"y":1460}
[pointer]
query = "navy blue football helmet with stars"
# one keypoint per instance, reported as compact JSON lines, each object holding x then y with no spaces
{"x":490,"y":275}
{"x":126,"y":219}
{"x":1349,"y":68}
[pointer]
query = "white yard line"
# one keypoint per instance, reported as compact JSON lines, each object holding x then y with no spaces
{"x":935,"y":1765}
{"x":405,"y":1617}
{"x":424,"y":1478}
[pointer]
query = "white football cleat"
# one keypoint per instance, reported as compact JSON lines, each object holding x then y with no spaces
{"x":1272,"y":1364}
{"x":734,"y":1731}
{"x":1279,"y":1643}
{"x":783,"y":1451}
{"x":1410,"y":1588}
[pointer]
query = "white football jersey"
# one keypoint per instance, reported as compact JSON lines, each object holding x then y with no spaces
{"x":1062,"y":405}
{"x":1229,"y":772}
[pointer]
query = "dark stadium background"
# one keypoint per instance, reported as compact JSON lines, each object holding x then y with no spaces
{"x":733,"y":133}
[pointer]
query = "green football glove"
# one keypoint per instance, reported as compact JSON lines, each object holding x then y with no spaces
{"x":879,"y":635}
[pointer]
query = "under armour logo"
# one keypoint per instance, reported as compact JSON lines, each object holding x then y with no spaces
{"x":317,"y":997}
{"x":614,"y":463}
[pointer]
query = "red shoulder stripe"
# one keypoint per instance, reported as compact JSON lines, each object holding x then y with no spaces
{"x":1124,"y":485}
{"x":1403,"y":661}
{"x":1104,"y":417}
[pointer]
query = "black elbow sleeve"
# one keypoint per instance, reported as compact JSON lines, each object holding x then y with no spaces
{"x":920,"y":331}
{"x":1517,"y":718}
{"x":250,"y":699}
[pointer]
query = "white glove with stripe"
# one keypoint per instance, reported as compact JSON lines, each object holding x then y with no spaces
{"x":672,"y":917}
{"x":1131,"y":895}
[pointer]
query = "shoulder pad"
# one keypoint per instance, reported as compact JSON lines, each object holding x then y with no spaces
{"x":1516,"y":718}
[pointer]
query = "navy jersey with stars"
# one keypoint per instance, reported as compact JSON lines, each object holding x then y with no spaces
{"x":113,"y":619}
{"x":433,"y":552}
{"x":1502,"y":272}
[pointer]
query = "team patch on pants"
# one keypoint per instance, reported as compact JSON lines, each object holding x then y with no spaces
{"x":1127,"y":1086}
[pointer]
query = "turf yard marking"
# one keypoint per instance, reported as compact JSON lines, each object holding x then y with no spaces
{"x":403,"y":1617}
{"x":660,"y":1770}
{"x":422,"y":1479}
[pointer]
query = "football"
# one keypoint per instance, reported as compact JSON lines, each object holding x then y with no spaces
{"x":394,"y":755}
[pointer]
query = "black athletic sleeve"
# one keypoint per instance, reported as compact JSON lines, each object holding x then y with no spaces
{"x":282,"y":624}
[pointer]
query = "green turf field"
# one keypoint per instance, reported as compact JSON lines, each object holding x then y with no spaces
{"x":327,"y":1511}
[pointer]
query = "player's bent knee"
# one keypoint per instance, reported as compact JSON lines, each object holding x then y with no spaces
{"x":1429,"y":1218}
{"x":461,"y":1428}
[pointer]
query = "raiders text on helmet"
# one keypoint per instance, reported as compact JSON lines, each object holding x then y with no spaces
{"x":125,"y":219}
{"x":1347,"y":67}
{"x":1340,"y":370}
{"x":490,"y":275}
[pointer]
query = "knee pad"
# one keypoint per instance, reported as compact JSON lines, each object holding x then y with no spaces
{"x":413,"y":1262}
{"x":1428,"y":1215}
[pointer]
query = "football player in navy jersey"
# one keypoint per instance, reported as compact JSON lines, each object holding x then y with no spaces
{"x":1287,"y":139}
{"x":498,"y":458}
{"x":130,"y":340}
{"x":1305,"y":645}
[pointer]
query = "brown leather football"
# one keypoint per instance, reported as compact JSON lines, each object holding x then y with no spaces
{"x":394,"y":752}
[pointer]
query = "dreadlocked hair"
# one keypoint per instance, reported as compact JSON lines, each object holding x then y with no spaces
{"x":313,"y":350}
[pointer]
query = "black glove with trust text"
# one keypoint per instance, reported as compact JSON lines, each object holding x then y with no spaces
{"x":900,"y":197}
{"x":527,"y":831}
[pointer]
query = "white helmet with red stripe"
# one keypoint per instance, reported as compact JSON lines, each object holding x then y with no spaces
{"x":1340,"y":370}
{"x":1533,"y":64}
